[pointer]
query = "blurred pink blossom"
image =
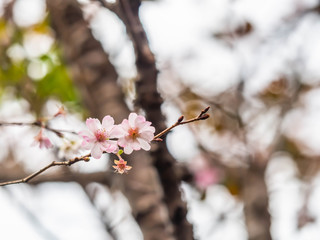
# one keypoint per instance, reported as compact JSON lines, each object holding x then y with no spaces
{"x":96,"y":137}
{"x":206,"y":177}
{"x":204,"y":174}
{"x":42,"y":140}
{"x":61,"y":112}
{"x":137,"y":133}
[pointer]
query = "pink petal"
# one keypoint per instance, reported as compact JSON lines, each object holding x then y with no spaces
{"x":144,"y":124}
{"x":117,"y":132}
{"x":87,"y":145}
{"x":96,"y":151}
{"x":86,"y":133}
{"x":109,"y":146}
{"x":147,"y":128}
{"x":47,"y":143}
{"x":140,"y":119}
{"x":93,"y":124}
{"x":125,"y":125}
{"x":107,"y":122}
{"x":112,"y":148}
{"x":127,"y":150}
{"x":132,"y":120}
{"x":148,"y":136}
{"x":135,"y":145}
{"x":88,"y":139}
{"x":122,"y":142}
{"x":144,"y":144}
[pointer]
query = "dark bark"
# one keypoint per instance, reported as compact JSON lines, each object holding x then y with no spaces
{"x":149,"y":99}
{"x":256,"y":203}
{"x":97,"y":79}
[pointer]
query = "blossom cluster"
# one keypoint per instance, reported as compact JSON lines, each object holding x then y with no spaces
{"x":134,"y":133}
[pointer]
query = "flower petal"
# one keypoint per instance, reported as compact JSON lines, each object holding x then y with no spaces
{"x":135,"y":145}
{"x":147,"y":128}
{"x":96,"y":151}
{"x":122,"y":142}
{"x":117,"y":132}
{"x":140,"y":119}
{"x":132,"y":120}
{"x":144,"y":144}
{"x":87,"y":145}
{"x":93,"y":124}
{"x":111,"y":147}
{"x":47,"y":143}
{"x":125,"y":125}
{"x":108,"y":122}
{"x":148,"y":136}
{"x":127,"y":150}
{"x":142,"y":124}
{"x":86,"y":133}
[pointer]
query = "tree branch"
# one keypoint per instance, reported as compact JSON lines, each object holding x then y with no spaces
{"x":52,"y":164}
{"x":202,"y":116}
{"x":40,"y":124}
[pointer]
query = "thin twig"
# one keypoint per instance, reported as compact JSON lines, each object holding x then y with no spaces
{"x":228,"y":113}
{"x":58,"y":132}
{"x":52,"y":164}
{"x":202,"y":116}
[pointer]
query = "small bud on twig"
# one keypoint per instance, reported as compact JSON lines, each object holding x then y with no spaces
{"x":205,"y":110}
{"x":204,"y":116}
{"x":180,"y":119}
{"x":158,"y":139}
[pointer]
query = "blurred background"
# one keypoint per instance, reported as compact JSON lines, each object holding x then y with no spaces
{"x":250,"y":171}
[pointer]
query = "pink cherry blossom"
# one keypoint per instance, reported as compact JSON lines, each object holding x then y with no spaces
{"x":121,"y":166}
{"x":42,"y":140}
{"x":137,"y":133}
{"x":96,"y":137}
{"x":206,"y":177}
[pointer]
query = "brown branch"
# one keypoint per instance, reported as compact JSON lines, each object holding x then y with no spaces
{"x":40,"y":124}
{"x":149,"y":99}
{"x":97,"y":78}
{"x":202,"y":116}
{"x":52,"y":164}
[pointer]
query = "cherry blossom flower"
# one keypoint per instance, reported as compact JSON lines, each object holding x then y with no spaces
{"x":206,"y":177}
{"x":61,"y":112}
{"x":137,"y":133}
{"x":96,"y":137}
{"x":42,"y":140}
{"x":121,"y":166}
{"x":70,"y":148}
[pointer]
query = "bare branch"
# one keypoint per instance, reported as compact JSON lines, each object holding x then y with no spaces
{"x":40,"y":124}
{"x":52,"y":164}
{"x":202,"y":116}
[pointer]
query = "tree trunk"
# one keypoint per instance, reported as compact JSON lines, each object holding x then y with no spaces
{"x":256,"y":203}
{"x":150,"y":100}
{"x":97,"y":80}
